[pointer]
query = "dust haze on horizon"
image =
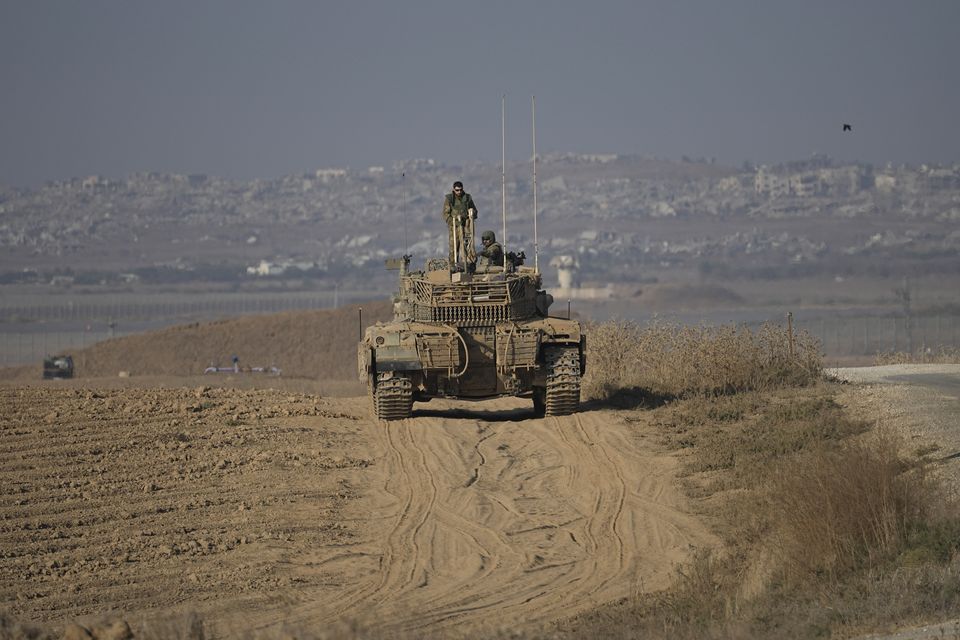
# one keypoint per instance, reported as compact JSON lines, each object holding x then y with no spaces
{"x":256,"y":90}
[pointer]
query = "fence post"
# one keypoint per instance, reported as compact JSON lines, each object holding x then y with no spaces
{"x":790,"y":330}
{"x":866,"y":336}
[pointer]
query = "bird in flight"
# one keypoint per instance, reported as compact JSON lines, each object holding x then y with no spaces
{"x":847,"y":127}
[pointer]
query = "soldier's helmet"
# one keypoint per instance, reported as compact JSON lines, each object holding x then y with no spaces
{"x":488,"y":235}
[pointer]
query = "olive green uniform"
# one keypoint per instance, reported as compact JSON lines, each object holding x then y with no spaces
{"x":492,"y":255}
{"x":456,"y":211}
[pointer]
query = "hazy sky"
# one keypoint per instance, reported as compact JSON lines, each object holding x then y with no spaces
{"x":262,"y":89}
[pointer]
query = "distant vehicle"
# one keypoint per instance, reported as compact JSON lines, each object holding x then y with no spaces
{"x":274,"y":371}
{"x":472,"y":336}
{"x":57,"y":367}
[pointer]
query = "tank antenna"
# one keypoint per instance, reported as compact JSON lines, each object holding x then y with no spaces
{"x":503,"y":175}
{"x":403,"y":210}
{"x":536,"y":246}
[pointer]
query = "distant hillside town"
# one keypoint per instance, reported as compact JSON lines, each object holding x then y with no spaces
{"x":614,"y":215}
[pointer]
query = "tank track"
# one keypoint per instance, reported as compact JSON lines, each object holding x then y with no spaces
{"x":563,"y":380}
{"x":393,"y":397}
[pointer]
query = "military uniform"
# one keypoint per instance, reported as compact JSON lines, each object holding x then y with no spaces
{"x":492,"y":254}
{"x":456,"y":211}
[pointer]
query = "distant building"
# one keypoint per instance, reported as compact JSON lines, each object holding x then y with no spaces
{"x":96,"y":183}
{"x":568,"y":277}
{"x":568,"y":271}
{"x":807,"y":182}
{"x":770,"y":185}
{"x":942,"y":178}
{"x":268,"y":268}
{"x":265,"y":268}
{"x":328,"y":174}
{"x":885,"y":182}
{"x":805,"y":185}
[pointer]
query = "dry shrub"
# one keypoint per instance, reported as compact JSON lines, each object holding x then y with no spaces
{"x":11,"y":629}
{"x":701,"y":604}
{"x":676,"y":360}
{"x":705,"y":593}
{"x":761,"y":443}
{"x":849,"y":507}
{"x":908,"y":596}
{"x":942,"y":355}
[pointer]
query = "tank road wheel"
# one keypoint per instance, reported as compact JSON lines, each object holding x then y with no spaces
{"x":393,"y":396}
{"x":563,"y":380}
{"x":539,"y":401}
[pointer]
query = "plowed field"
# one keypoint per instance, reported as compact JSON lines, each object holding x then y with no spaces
{"x":260,"y":507}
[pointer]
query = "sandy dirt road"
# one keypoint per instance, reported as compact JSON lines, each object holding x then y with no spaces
{"x":921,"y":402}
{"x":256,"y":508}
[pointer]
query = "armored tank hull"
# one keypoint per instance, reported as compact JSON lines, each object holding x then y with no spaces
{"x":472,"y":336}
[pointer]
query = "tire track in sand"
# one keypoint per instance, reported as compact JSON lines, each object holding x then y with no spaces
{"x":400,"y":563}
{"x":413,"y":490}
{"x":511,"y":523}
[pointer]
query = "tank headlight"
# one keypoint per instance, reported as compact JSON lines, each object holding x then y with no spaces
{"x":379,"y":340}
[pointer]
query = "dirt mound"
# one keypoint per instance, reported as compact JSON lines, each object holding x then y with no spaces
{"x":676,"y":296}
{"x":312,"y":344}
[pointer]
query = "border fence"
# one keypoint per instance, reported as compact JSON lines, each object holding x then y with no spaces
{"x":222,"y":305}
{"x":870,"y":335}
{"x":31,"y":329}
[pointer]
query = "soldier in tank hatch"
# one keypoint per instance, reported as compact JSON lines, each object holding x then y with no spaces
{"x":492,"y":253}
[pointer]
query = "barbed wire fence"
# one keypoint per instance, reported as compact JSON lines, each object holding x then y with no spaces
{"x":28,"y":332}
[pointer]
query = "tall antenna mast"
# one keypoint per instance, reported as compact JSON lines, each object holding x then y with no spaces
{"x":503,"y":175}
{"x":403,"y":210}
{"x":536,"y":246}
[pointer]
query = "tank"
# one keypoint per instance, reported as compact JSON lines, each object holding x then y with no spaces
{"x":472,"y":335}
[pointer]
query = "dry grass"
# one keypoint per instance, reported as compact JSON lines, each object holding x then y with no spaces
{"x":942,"y":355}
{"x":746,"y":433}
{"x":678,"y":361}
{"x":830,"y":529}
{"x":848,"y":508}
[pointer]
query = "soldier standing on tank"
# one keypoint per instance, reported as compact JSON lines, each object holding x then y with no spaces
{"x":459,"y":212}
{"x":492,"y":253}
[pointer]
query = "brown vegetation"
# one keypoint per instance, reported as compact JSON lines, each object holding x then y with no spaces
{"x":943,"y":355}
{"x":830,"y":527}
{"x":676,"y":361}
